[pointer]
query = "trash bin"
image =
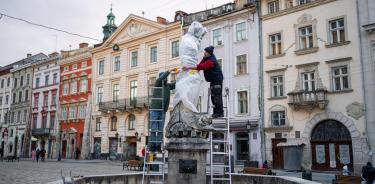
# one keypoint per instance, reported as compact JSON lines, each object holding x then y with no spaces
{"x":307,"y":175}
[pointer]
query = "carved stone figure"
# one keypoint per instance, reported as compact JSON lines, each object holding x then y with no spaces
{"x":185,"y":120}
{"x":355,"y":110}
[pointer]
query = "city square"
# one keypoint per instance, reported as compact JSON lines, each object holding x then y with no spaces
{"x":172,"y":91}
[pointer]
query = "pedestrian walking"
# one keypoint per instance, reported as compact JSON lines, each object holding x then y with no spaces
{"x":33,"y":155}
{"x":213,"y":75}
{"x":368,"y":174}
{"x":42,"y":154}
{"x":37,"y":155}
{"x":78,"y":152}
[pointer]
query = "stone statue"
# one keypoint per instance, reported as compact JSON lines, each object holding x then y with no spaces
{"x":185,"y":120}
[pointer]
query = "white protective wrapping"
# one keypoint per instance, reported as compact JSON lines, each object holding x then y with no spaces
{"x":189,"y":82}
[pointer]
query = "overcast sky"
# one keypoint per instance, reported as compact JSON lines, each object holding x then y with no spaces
{"x":85,"y":17}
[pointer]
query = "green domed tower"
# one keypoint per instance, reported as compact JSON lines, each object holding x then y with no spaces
{"x":110,"y":27}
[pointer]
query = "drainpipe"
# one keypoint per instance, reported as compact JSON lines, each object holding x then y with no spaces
{"x":361,"y":41}
{"x":261,"y":91}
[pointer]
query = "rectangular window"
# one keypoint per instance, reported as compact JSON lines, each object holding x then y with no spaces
{"x":278,"y":118}
{"x":101,"y":67}
{"x":277,"y":86}
{"x":305,"y":38}
{"x":44,"y":121}
{"x":55,"y":78}
{"x":24,"y":115}
{"x":241,"y":66}
{"x":83,"y":85}
{"x":99,"y":95}
{"x":21,"y":81}
{"x":1,"y":100}
{"x":216,"y":37}
{"x":66,"y":68}
{"x":275,"y":44}
{"x":28,"y":79}
{"x":241,"y":31}
{"x":301,"y":2}
{"x":37,"y":82}
{"x":116,"y":64}
{"x":153,"y":54}
{"x":2,"y":83}
{"x":14,"y":98}
{"x":84,"y":64}
{"x":308,"y":81}
{"x":65,"y":89}
{"x":97,"y":127}
{"x":131,"y":122}
{"x":20,"y":96}
{"x":75,"y":67}
{"x":15,"y":82}
{"x":133,"y":91}
{"x":64,"y":113}
{"x":7,"y":99}
{"x":72,"y":112}
{"x":18,"y":116}
{"x":52,"y":121}
{"x":242,"y":102}
{"x":115,"y":92}
{"x":36,"y":100}
{"x":82,"y":111}
{"x":337,"y":31}
{"x":46,"y":80}
{"x":175,"y":50}
{"x":45,"y":100}
{"x":8,"y":82}
{"x":35,"y":121}
{"x":26,"y":95}
{"x":134,"y":59}
{"x":340,"y":77}
{"x":273,"y":7}
{"x":54,"y":99}
{"x":73,"y":87}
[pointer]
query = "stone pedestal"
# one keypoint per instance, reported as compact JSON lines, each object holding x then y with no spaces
{"x":187,"y":160}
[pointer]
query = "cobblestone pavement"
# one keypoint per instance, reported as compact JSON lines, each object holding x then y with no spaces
{"x":28,"y":172}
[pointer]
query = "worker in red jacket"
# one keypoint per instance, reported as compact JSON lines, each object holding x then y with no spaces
{"x":213,"y":75}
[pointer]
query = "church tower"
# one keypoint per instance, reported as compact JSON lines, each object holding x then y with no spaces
{"x":110,"y":27}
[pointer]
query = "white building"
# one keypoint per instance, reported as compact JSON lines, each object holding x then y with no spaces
{"x":313,"y":91}
{"x":366,"y":10}
{"x":233,"y":31}
{"x":5,"y":99}
{"x":44,"y":104}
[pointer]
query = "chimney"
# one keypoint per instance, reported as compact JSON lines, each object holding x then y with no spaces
{"x":53,"y":54}
{"x":83,"y":45}
{"x":29,"y":55}
{"x":161,"y":20}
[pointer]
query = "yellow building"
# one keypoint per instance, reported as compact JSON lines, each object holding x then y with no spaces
{"x":124,"y":66}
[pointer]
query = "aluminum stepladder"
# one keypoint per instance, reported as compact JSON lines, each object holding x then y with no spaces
{"x":154,"y":177}
{"x":220,"y":148}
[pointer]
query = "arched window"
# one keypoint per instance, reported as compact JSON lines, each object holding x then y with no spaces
{"x":131,"y":122}
{"x":113,"y":123}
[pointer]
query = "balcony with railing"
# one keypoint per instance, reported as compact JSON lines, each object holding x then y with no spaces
{"x":128,"y":104}
{"x":40,"y":132}
{"x":308,"y":100}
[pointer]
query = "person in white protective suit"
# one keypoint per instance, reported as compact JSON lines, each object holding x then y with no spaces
{"x":189,"y":82}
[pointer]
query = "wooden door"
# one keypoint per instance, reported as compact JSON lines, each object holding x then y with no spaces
{"x":277,"y":154}
{"x":63,"y":152}
{"x":331,"y":156}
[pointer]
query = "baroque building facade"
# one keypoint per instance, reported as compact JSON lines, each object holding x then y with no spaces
{"x":45,"y":93}
{"x":20,"y":108}
{"x":124,"y":66}
{"x":233,"y":31}
{"x":74,"y":96}
{"x":313,"y":95}
{"x":366,"y":26}
{"x":5,"y":99}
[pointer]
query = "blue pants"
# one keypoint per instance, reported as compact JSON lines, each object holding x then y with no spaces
{"x":156,"y":126}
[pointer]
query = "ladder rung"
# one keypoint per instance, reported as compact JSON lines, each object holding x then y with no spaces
{"x":153,"y":174}
{"x":220,"y":141}
{"x":216,"y":165}
{"x":220,"y":153}
{"x":221,"y":179}
{"x":155,"y":182}
{"x":156,"y":109}
{"x":154,"y":163}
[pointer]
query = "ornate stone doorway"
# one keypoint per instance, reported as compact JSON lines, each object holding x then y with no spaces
{"x":331,"y":146}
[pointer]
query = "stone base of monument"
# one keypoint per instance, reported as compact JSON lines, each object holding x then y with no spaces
{"x":187,"y":160}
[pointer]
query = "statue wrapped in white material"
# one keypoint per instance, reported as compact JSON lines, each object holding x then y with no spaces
{"x":185,"y":120}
